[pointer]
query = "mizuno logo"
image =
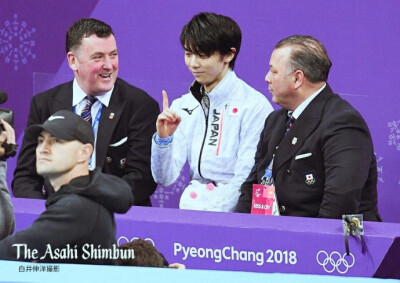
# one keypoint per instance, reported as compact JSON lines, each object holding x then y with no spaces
{"x":189,"y":111}
{"x":51,"y":118}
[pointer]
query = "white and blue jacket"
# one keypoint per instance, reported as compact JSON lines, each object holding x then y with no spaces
{"x":220,"y":150}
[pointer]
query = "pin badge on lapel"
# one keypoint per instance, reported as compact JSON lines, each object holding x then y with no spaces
{"x":111,"y":116}
{"x":294,"y":141}
{"x":310,"y":180}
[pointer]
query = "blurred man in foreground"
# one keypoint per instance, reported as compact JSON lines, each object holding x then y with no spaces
{"x":7,"y":222}
{"x":78,"y":223}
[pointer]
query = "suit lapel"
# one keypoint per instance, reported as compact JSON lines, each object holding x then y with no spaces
{"x":304,"y":126}
{"x":62,"y":101}
{"x":108,"y":120}
{"x":295,"y":139}
{"x":273,"y":140}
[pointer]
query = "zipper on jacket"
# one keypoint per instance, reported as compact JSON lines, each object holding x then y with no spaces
{"x":204,"y":139}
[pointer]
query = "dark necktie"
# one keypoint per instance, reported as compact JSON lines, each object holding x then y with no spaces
{"x":86,"y":111}
{"x":290,"y":123}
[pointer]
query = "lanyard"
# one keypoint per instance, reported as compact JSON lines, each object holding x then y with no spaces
{"x":95,"y":124}
{"x":267,"y":179}
{"x":95,"y":127}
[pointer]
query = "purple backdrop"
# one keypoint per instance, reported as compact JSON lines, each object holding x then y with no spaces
{"x":362,"y":39}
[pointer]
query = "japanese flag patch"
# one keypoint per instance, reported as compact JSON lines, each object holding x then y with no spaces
{"x":233,"y":111}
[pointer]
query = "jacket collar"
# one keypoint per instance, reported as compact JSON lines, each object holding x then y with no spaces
{"x":222,"y":91}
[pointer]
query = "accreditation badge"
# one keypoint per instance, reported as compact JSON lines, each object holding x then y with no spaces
{"x":263,"y":199}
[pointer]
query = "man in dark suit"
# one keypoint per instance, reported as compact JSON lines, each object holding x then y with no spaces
{"x":123,"y":117}
{"x":323,"y":165}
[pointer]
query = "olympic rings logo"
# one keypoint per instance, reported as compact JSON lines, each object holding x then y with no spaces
{"x":335,"y":261}
{"x":123,"y":240}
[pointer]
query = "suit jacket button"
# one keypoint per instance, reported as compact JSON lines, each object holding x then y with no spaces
{"x":288,"y":172}
{"x":282,"y":209}
{"x":108,"y":159}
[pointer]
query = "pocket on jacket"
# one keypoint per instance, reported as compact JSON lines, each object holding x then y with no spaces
{"x":120,"y":142}
{"x":116,"y":157}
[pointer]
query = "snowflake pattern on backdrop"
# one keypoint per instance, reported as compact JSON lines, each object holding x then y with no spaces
{"x":163,"y":194}
{"x":379,"y":167}
{"x":16,"y":42}
{"x":394,"y":136}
